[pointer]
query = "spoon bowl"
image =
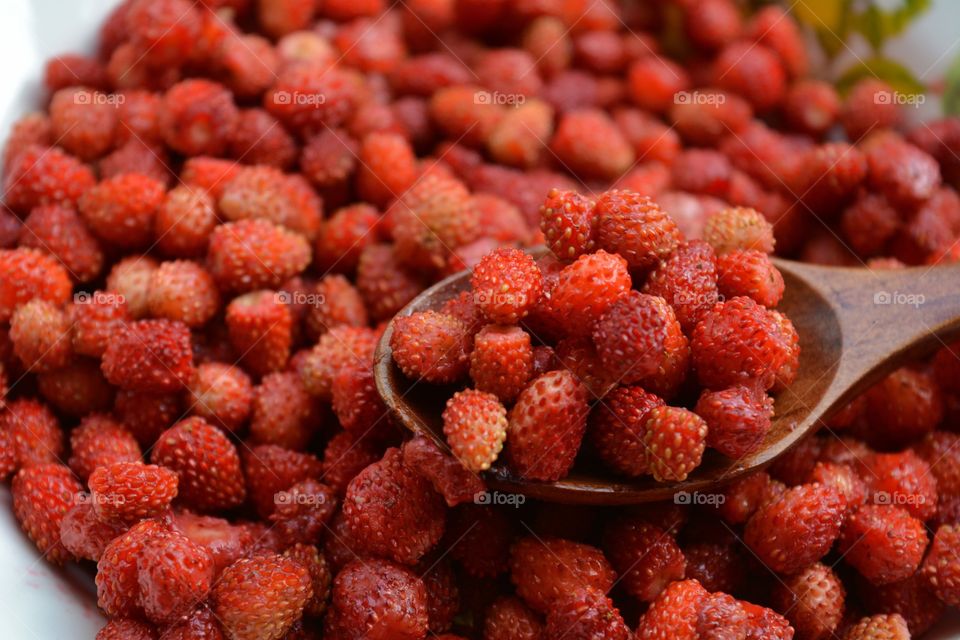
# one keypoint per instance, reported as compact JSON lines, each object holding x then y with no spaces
{"x":855,"y":326}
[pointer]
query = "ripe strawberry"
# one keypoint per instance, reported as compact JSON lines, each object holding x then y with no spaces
{"x":506,"y":285}
{"x":675,"y":362}
{"x":117,"y":574}
{"x":344,"y":236}
{"x":713,"y":24}
{"x":547,"y":424}
{"x":206,"y":463}
{"x":100,"y":441}
{"x":262,"y":192}
{"x":302,"y":511}
{"x":590,"y":145}
{"x":828,"y":176}
{"x":393,"y":512}
{"x":702,"y":171}
{"x":385,"y":284}
{"x":674,"y":614}
{"x":883,"y":542}
{"x":913,"y":599}
{"x":183,"y":290}
{"x":717,"y":566}
{"x":501,"y":362}
{"x":579,"y":356}
{"x":129,"y":279}
{"x":869,"y":106}
{"x":845,"y":479}
{"x":40,"y":333}
{"x":645,"y":556}
{"x":320,"y":575}
{"x":634,"y":226}
{"x":448,"y":476}
{"x":752,"y":274}
{"x":545,"y":572}
{"x":260,"y":326}
{"x":739,"y":228}
{"x":59,"y":231}
{"x":484,"y":535}
{"x":30,"y":274}
{"x":221,"y":394}
{"x":475,"y":425}
{"x":901,"y":479}
{"x":388,"y":167}
{"x":126,"y":629}
{"x":508,"y":618}
{"x":175,"y":575}
{"x":41,"y":175}
{"x":431,"y":346}
{"x":376,"y":598}
{"x":812,"y":600}
{"x":891,"y":626}
{"x":939,"y":451}
{"x":519,"y":138}
{"x":206,"y":174}
{"x":617,"y":429}
{"x":587,"y":614}
{"x":120,"y":210}
{"x":42,"y":495}
{"x":752,"y":71}
{"x":653,"y":81}
{"x":797,"y":528}
{"x":941,"y":565}
{"x":766,"y":624}
{"x":651,"y":139}
{"x":34,"y":433}
{"x":282,"y":412}
{"x":738,"y":419}
{"x":587,"y":288}
{"x":329,"y":158}
{"x":721,"y":614}
{"x":687,"y":280}
{"x":462,"y":116}
{"x":254,"y":254}
{"x":198,"y":117}
{"x":83,"y":534}
{"x":346,"y":454}
{"x":200,"y":625}
{"x":337,"y":303}
{"x":125,"y":492}
{"x":77,"y":389}
{"x":83,"y":122}
{"x":675,"y":440}
{"x":337,"y":349}
{"x":147,"y":415}
{"x":270,"y":469}
{"x":629,"y":337}
{"x":184,"y":222}
{"x":811,"y":107}
{"x":149,"y":355}
{"x":739,"y":341}
{"x":742,"y":497}
{"x":93,"y":319}
{"x":259,"y":598}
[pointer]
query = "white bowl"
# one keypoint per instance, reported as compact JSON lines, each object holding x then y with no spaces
{"x":41,"y":602}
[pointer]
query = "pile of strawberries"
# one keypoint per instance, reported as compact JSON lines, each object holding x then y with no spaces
{"x":207,"y":227}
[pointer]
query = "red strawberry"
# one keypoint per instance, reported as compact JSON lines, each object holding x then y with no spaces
{"x":34,"y":432}
{"x":587,"y":614}
{"x":266,"y":193}
{"x":329,"y":158}
{"x":508,"y":618}
{"x":221,"y":394}
{"x":718,"y":566}
{"x":710,"y":116}
{"x":129,"y":279}
{"x":901,"y":479}
{"x":475,"y":424}
{"x":393,"y":512}
{"x":40,"y":175}
{"x":259,"y":598}
{"x":388,"y":167}
{"x":283,"y":413}
{"x":506,"y":285}
{"x":589,"y":143}
{"x":120,"y":210}
{"x":100,"y":441}
{"x":253,"y":254}
{"x":903,"y":407}
{"x":175,"y":575}
{"x":345,"y":455}
{"x":60,"y":232}
{"x":126,"y":492}
{"x":646,"y":557}
{"x":766,"y":624}
{"x":811,"y":107}
{"x":812,"y":600}
{"x":431,"y":346}
{"x":752,"y":71}
{"x":30,"y":274}
{"x":206,"y":463}
{"x":629,"y":337}
{"x":547,"y":424}
{"x":270,"y":469}
{"x":702,"y":171}
{"x":941,"y":566}
{"x":568,"y":223}
{"x":458,"y":113}
{"x":40,"y":334}
{"x":635,"y":227}
{"x":519,"y":138}
{"x":652,"y":82}
{"x":337,"y":349}
{"x":343,"y":237}
{"x":885,"y":625}
{"x":618,"y":426}
{"x":448,"y":476}
{"x":883,"y":542}
{"x":674,"y":614}
{"x":939,"y":450}
{"x":260,"y":326}
{"x":751,"y":274}
{"x":82,"y":533}
{"x":337,"y":303}
{"x":200,"y":625}
{"x":184,"y":291}
{"x":740,"y":228}
{"x":737,"y":419}
{"x":579,"y":356}
{"x":869,"y":106}
{"x":377,"y":598}
{"x":675,"y":362}
{"x":149,"y":355}
{"x":126,"y":629}
{"x":77,"y":389}
{"x":587,"y":288}
{"x":501,"y":362}
{"x":687,"y":280}
{"x":147,"y":415}
{"x":845,"y":479}
{"x":93,"y":319}
{"x":828,"y":176}
{"x":117,"y":575}
{"x":226,"y":542}
{"x":484,"y":535}
{"x":385,"y":285}
{"x":546,"y":571}
{"x":913,"y":599}
{"x":320,"y":575}
{"x":675,"y":440}
{"x":42,"y":495}
{"x":302,"y":511}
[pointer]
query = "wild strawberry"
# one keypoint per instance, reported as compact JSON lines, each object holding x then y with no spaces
{"x":903,"y":479}
{"x":125,"y":492}
{"x":261,"y":597}
{"x":652,"y":82}
{"x":750,"y":273}
{"x":651,"y":139}
{"x":646,"y":557}
{"x":913,"y":599}
{"x":40,"y":333}
{"x":475,"y":425}
{"x":811,"y":107}
{"x":345,"y":455}
{"x":587,"y":614}
{"x":303,"y":511}
{"x":329,"y":158}
{"x":77,"y":389}
{"x":797,"y":528}
{"x":483,"y":534}
{"x":579,"y":356}
{"x":341,"y":88}
{"x":739,"y":341}
{"x":884,"y":625}
{"x":377,"y":598}
{"x":337,"y":349}
{"x":507,"y":618}
{"x":544,"y":572}
{"x":221,"y":394}
{"x":100,"y":441}
{"x":501,"y":362}
{"x":940,"y":567}
{"x":184,"y":222}
{"x":121,"y":210}
{"x":587,"y":288}
{"x":938,"y":450}
{"x":903,"y":173}
{"x":83,"y":122}
{"x":262,"y":192}
{"x":252,"y":254}
{"x":617,"y":428}
{"x":175,"y":575}
{"x":589,"y":143}
{"x":270,"y":469}
{"x":629,"y":337}
{"x":83,"y":534}
{"x":506,"y":284}
{"x":812,"y":600}
{"x":320,"y":575}
{"x":165,"y":32}
{"x":30,"y":274}
{"x":183,"y":290}
{"x":458,"y":113}
{"x":869,"y":106}
{"x":338,"y":303}
{"x":883,"y":542}
{"x":712,"y":24}
{"x":869,"y":223}
{"x":259,"y":325}
{"x":34,"y":432}
{"x":282,"y":412}
{"x":117,"y":575}
{"x":765,"y":624}
{"x":385,"y":284}
{"x":149,"y":355}
{"x":448,"y":476}
{"x":431,"y":346}
{"x":737,"y":419}
{"x":687,"y":280}
{"x":42,"y":495}
{"x":206,"y":463}
{"x":738,"y":229}
{"x":547,"y":424}
{"x":147,"y":415}
{"x":387,"y":169}
{"x":675,"y":440}
{"x":199,"y":625}
{"x":635,"y":227}
{"x":752,"y":71}
{"x":126,"y":629}
{"x":198,"y":117}
{"x":702,"y":171}
{"x":39,"y":175}
{"x":674,"y":614}
{"x":717,"y":566}
{"x":344,"y":236}
{"x":60,"y":232}
{"x":393,"y":512}
{"x":845,"y":479}
{"x":207,"y":174}
{"x":129,"y":279}
{"x":828,"y":176}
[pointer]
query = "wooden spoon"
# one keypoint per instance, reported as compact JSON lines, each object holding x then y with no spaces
{"x":855,"y":326}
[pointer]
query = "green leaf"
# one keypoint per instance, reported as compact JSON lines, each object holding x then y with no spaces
{"x":890,"y":71}
{"x":951,"y":92}
{"x":879,"y":25}
{"x":829,"y":19}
